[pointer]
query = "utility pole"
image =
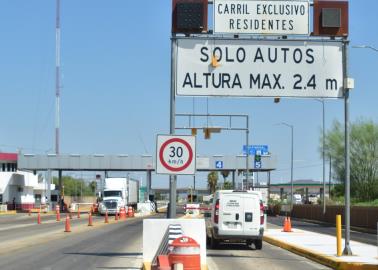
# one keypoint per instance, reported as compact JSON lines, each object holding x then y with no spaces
{"x":57,"y":77}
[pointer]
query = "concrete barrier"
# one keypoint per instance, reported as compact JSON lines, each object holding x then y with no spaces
{"x":155,"y":229}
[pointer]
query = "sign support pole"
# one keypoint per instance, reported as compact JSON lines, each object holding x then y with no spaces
{"x":172,"y":178}
{"x":247,"y":155}
{"x":347,"y":249}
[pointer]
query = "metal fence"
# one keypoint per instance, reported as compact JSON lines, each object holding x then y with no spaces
{"x":360,"y":216}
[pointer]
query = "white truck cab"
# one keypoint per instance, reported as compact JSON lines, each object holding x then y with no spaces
{"x":114,"y":195}
{"x":236,"y":215}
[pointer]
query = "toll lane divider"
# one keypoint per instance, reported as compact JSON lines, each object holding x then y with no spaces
{"x":319,"y":257}
{"x":153,"y":237}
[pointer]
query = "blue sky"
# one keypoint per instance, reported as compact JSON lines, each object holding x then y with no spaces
{"x":115,"y":62}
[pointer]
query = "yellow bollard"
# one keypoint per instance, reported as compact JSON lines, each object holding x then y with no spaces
{"x":338,"y":234}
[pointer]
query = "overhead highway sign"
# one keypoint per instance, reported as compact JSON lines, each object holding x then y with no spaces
{"x":259,"y":68}
{"x":261,"y":17}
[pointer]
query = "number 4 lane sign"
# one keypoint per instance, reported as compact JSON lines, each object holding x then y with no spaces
{"x":176,"y":154}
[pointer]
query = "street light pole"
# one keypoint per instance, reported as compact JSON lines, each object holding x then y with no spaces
{"x":365,"y":47}
{"x":347,"y":249}
{"x":292,"y":161}
{"x":323,"y":154}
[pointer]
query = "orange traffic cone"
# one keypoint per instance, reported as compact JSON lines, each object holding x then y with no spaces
{"x":116,"y":216}
{"x":289,"y":224}
{"x":57,"y":215}
{"x":39,"y":218}
{"x":122,"y":213}
{"x":106,"y":217}
{"x":130,"y":212}
{"x":68,"y":225}
{"x":78,"y":211}
{"x":286,"y":227}
{"x":90,"y":222}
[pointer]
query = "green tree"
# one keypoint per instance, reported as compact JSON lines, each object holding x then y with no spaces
{"x":212,"y":181}
{"x":76,"y":187}
{"x":227,"y":185}
{"x":225,"y":174}
{"x":93,"y":186}
{"x":363,"y":157}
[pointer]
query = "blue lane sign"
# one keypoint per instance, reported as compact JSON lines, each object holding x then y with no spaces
{"x":219,"y":164}
{"x":257,"y":164}
{"x":256,"y":149}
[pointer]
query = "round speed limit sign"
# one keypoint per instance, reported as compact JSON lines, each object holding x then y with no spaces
{"x":175,"y":154}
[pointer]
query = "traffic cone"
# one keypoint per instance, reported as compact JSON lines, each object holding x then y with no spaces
{"x":68,"y":225}
{"x":286,"y":227}
{"x":78,"y":211}
{"x":90,"y":222}
{"x":289,"y":224}
{"x":116,"y":216}
{"x":106,"y":217}
{"x":122,"y":213}
{"x":57,"y":215}
{"x":39,"y":218}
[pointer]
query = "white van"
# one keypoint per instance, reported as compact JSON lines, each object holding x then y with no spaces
{"x":236,"y":215}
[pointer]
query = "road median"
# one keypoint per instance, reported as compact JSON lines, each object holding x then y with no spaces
{"x":340,"y":263}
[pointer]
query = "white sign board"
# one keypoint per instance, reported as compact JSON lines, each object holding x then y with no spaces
{"x":259,"y":68}
{"x":176,"y":154}
{"x":261,"y":17}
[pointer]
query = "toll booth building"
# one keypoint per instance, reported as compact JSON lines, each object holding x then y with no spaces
{"x":19,"y":190}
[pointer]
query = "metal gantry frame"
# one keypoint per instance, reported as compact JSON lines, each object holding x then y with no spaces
{"x":345,"y":43}
{"x":228,"y":117}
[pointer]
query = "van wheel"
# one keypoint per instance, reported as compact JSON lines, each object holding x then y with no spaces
{"x":258,"y":244}
{"x":248,"y":243}
{"x":214,"y":243}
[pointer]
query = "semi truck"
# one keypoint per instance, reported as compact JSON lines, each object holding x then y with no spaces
{"x":117,"y":193}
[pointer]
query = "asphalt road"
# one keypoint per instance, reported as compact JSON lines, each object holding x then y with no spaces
{"x":367,"y":238}
{"x":119,"y":246}
{"x":241,"y":257}
{"x":115,"y":246}
{"x":21,"y":225}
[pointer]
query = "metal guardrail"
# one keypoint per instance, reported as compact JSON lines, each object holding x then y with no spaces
{"x":163,"y":248}
{"x":172,"y":232}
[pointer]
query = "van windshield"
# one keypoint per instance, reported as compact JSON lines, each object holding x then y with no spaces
{"x":112,"y":193}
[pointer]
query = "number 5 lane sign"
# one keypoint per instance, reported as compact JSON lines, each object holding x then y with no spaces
{"x":176,"y":155}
